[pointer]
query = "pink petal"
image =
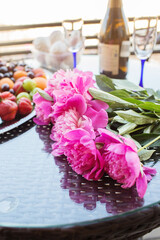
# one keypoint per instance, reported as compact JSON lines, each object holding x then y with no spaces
{"x":117,"y":148}
{"x":133,"y":161}
{"x":148,"y":172}
{"x":76,"y":134}
{"x":141,"y":185}
{"x":99,"y":119}
{"x":78,"y":102}
{"x":129,"y":142}
{"x":98,"y":171}
{"x":107,"y":136}
{"x":98,"y":105}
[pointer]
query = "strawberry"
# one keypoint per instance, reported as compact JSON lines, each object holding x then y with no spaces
{"x":7,"y":95}
{"x":24,"y":106}
{"x":8,"y":110}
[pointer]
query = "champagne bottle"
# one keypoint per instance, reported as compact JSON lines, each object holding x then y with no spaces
{"x":114,"y":42}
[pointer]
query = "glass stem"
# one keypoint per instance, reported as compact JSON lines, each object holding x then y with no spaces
{"x":74,"y":60}
{"x":142,"y":70}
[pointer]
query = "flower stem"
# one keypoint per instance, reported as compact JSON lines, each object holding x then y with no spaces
{"x":148,"y":144}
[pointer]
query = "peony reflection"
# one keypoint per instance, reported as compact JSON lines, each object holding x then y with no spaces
{"x":81,"y":191}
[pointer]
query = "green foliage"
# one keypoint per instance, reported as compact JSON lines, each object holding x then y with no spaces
{"x":133,"y":110}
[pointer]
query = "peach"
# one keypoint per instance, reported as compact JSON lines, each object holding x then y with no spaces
{"x":40,"y":82}
{"x":6,"y":80}
{"x":19,"y":73}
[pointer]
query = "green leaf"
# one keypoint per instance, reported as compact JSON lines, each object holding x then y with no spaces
{"x":158,"y":115}
{"x":150,"y":99}
{"x":105,"y":83}
{"x":148,"y":129}
{"x":120,"y":93}
{"x":113,"y":101}
{"x":145,"y":154}
{"x":150,"y":91}
{"x":119,"y":119}
{"x":133,"y":100}
{"x":127,"y":85}
{"x":156,"y":129}
{"x":145,"y":138}
{"x":126,"y":128}
{"x":45,"y":95}
{"x":150,"y":106}
{"x":134,"y":117}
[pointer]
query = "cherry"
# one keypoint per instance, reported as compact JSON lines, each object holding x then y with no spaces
{"x":7,"y":74}
{"x":30,"y":74}
{"x":22,"y":64}
{"x":11,"y":66}
{"x":13,"y":80}
{"x":5,"y":87}
{"x":1,"y":75}
{"x":3,"y":69}
{"x":11,"y":90}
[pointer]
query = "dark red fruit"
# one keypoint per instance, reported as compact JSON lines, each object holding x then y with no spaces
{"x":7,"y":74}
{"x":30,"y":74}
{"x":24,"y":106}
{"x":1,"y":75}
{"x":8,"y":110}
{"x":5,"y":87}
{"x":11,"y":66}
{"x":11,"y":90}
{"x":3,"y":69}
{"x":7,"y":96}
{"x":13,"y":80}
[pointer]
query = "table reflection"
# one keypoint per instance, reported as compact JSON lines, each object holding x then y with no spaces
{"x":106,"y":191}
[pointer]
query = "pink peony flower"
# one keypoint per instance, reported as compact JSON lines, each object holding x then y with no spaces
{"x":74,"y":81}
{"x":66,"y":102}
{"x":121,"y":161}
{"x":43,"y":110}
{"x":70,"y":120}
{"x":81,"y":152}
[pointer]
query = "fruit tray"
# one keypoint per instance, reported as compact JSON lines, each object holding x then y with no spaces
{"x":7,"y":126}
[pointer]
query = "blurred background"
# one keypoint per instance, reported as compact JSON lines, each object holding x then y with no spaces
{"x":21,"y":12}
{"x":22,"y":21}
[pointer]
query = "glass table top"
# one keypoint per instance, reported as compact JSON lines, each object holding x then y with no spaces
{"x":40,"y":190}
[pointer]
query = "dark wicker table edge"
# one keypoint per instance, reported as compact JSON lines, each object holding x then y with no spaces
{"x":130,"y":226}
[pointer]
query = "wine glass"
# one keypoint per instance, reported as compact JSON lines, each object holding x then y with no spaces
{"x":74,"y":37}
{"x":144,"y":38}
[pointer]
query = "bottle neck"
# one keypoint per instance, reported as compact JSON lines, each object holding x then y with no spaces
{"x":115,"y":4}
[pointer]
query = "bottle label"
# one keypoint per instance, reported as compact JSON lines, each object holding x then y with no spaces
{"x":125,"y":52}
{"x":109,"y":58}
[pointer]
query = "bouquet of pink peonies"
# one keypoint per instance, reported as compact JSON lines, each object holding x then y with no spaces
{"x":80,"y":131}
